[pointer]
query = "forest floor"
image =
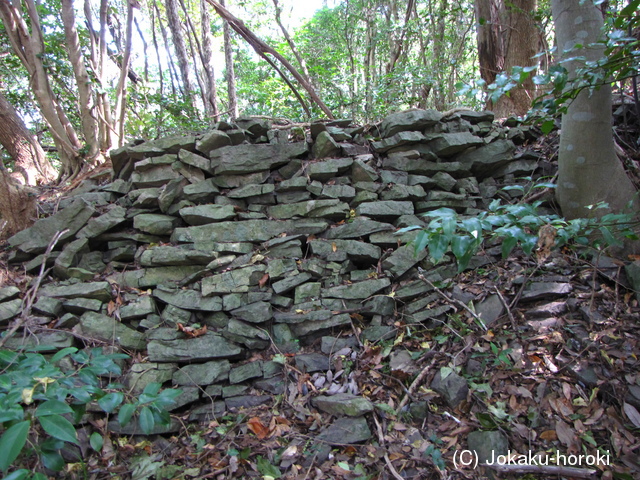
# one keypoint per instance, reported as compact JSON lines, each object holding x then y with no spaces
{"x":557,"y":374}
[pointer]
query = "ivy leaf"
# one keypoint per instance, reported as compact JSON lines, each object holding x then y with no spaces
{"x":110,"y":401}
{"x":146,"y":420}
{"x":59,"y":427}
{"x":96,"y":441}
{"x":11,"y":443}
{"x":53,"y":407}
{"x":125,"y":414}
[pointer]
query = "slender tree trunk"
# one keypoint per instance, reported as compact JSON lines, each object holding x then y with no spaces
{"x":144,"y":50}
{"x":262,"y":49}
{"x":172,"y":73}
{"x":121,"y":92}
{"x":31,"y":164}
{"x":152,"y":12}
{"x":230,"y":75}
{"x":398,"y":44}
{"x":180,"y":48}
{"x":291,"y":43}
{"x":589,"y":170}
{"x":85,"y":92}
{"x":211,"y":95}
{"x":520,"y":47}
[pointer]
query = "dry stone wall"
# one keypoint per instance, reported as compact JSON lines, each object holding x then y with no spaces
{"x":264,"y":235}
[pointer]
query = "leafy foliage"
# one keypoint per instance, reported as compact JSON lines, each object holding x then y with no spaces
{"x":515,"y":225}
{"x":42,"y":400}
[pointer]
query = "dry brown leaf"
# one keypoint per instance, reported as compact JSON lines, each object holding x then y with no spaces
{"x":263,"y":281}
{"x":566,"y":434}
{"x":632,"y":414}
{"x":549,"y":435}
{"x":255,"y":425}
{"x":334,"y":247}
{"x":546,"y":240}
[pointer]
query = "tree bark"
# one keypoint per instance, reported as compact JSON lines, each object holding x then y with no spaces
{"x":261,"y":48}
{"x":85,"y":92}
{"x":180,"y":48}
{"x":31,"y":165}
{"x":490,"y":45}
{"x":121,"y":92}
{"x":589,"y":170}
{"x":17,"y":205}
{"x":211,"y":95}
{"x":291,"y":43}
{"x":230,"y":75}
{"x":520,"y":46}
{"x":28,"y":45}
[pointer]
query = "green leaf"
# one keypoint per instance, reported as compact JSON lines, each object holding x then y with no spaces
{"x":386,"y":408}
{"x":52,"y":460}
{"x":11,"y":443}
{"x":21,"y":474}
{"x":63,"y":353}
{"x":146,"y":420}
{"x":508,"y":244}
{"x":266,"y":469}
{"x":96,"y":441}
{"x":463,"y":249}
{"x":125,"y":413}
{"x":438,"y":246}
{"x":608,"y":237}
{"x":547,"y":127}
{"x":110,"y":401}
{"x":59,"y":427}
{"x":53,"y":407}
{"x":152,"y":389}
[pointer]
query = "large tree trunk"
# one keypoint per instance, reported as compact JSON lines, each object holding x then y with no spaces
{"x":490,"y":46}
{"x":520,"y":45}
{"x":31,"y":164}
{"x":28,"y":45}
{"x":17,"y":205}
{"x":589,"y":170}
{"x":230,"y":75}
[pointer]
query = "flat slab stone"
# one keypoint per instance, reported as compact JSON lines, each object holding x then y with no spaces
{"x":240,"y":159}
{"x":9,"y":310}
{"x":155,"y":224}
{"x":359,"y":227}
{"x":356,"y":250}
{"x":343,"y":404}
{"x":97,"y":290}
{"x":210,"y":346}
{"x":408,"y":120}
{"x":36,"y":238}
{"x":485,"y":160}
{"x":388,"y":209}
{"x":546,"y":290}
{"x":451,"y":143}
{"x":203,"y":214}
{"x":101,"y":224}
{"x":108,"y":329}
{"x":162,"y":256}
{"x":234,"y":281}
{"x":358,"y":290}
{"x":187,"y":299}
{"x":150,"y":277}
{"x":346,"y":430}
{"x":246,"y":231}
{"x":203,"y":373}
{"x":398,"y":140}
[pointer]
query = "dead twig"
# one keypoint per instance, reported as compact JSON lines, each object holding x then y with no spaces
{"x":452,"y":300}
{"x":33,"y":291}
{"x":387,"y":460}
{"x":546,"y":470}
{"x":416,"y":383}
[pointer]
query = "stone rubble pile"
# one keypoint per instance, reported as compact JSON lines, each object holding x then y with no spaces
{"x":266,"y":236}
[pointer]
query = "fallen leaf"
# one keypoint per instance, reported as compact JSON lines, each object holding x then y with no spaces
{"x":566,"y":434}
{"x":255,"y":425}
{"x":632,"y":414}
{"x":263,"y":281}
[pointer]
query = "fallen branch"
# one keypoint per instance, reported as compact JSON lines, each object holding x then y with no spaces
{"x":387,"y":460}
{"x":451,"y":300}
{"x":33,"y":291}
{"x":416,"y":383}
{"x":546,"y":470}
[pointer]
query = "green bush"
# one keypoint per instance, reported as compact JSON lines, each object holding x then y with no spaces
{"x":42,"y":399}
{"x":514,"y":225}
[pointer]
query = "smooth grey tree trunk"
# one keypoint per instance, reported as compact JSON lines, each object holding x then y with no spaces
{"x":589,"y":170}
